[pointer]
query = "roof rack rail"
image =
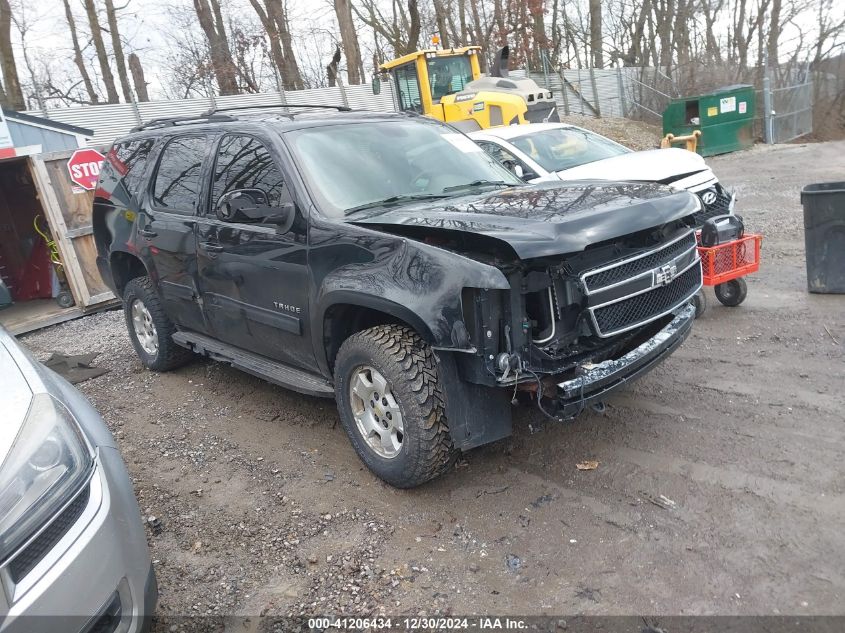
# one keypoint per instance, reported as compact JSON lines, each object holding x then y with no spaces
{"x":177,"y":120}
{"x":339,"y":108}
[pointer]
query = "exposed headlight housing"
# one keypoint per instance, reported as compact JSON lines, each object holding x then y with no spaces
{"x":47,"y":464}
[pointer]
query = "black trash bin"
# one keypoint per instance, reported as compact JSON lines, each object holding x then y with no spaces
{"x":824,"y":236}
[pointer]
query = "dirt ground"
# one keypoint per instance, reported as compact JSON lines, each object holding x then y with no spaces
{"x":720,"y":487}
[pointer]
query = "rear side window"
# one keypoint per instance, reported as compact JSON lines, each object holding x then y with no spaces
{"x":243,"y":162}
{"x":178,"y":179}
{"x":129,"y":161}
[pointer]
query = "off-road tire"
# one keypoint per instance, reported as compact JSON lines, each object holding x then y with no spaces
{"x":169,"y":355}
{"x":731,"y":293}
{"x":408,"y":364}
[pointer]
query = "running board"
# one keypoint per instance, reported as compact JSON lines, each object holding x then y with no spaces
{"x":275,"y":372}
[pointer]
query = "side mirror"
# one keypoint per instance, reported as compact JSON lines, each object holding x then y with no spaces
{"x":518,"y":172}
{"x":251,"y":206}
{"x":376,"y":85}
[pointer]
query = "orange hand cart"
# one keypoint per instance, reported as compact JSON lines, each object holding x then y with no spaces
{"x":724,"y":266}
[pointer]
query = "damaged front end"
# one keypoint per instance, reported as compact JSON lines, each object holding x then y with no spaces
{"x":574,"y":328}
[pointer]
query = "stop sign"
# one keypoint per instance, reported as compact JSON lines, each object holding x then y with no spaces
{"x":84,"y":168}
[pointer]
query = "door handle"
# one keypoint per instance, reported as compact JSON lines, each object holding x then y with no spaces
{"x":211,"y":247}
{"x":147,"y":233}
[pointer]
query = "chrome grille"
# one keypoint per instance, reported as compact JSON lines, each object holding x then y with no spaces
{"x":635,"y":291}
{"x":647,"y":306}
{"x":621,"y":271}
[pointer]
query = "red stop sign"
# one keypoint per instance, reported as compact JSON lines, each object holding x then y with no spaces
{"x":84,"y":168}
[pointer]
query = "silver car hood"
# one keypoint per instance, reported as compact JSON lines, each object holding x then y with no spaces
{"x":15,"y":393}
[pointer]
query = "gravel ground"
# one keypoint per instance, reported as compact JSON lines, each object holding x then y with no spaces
{"x":719,"y":488}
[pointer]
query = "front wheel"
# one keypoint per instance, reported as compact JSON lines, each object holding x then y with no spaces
{"x":731,"y":293}
{"x":391,"y":405}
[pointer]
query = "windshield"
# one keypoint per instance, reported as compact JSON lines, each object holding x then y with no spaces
{"x":448,"y":75}
{"x":353,"y":165}
{"x":564,"y":148}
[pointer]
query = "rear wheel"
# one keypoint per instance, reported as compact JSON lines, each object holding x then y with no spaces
{"x":391,"y":404}
{"x":150,"y":329}
{"x":731,"y":293}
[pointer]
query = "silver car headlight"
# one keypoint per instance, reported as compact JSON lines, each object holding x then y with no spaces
{"x":47,"y":463}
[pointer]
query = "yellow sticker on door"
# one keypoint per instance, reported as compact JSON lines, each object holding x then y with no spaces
{"x":712,"y":111}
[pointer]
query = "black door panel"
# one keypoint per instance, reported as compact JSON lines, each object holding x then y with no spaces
{"x":167,"y":226}
{"x":254,"y":276}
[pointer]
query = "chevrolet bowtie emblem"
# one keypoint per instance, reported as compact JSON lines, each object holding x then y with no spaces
{"x":664,"y":275}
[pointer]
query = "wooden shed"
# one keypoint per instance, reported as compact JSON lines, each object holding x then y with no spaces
{"x":48,"y":271}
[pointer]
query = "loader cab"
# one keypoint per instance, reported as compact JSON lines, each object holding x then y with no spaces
{"x":448,"y":85}
{"x":423,"y":78}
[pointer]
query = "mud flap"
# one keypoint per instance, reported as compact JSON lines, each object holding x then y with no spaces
{"x":476,"y":414}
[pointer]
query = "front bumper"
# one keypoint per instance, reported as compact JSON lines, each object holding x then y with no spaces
{"x":598,"y":381}
{"x":100,"y":567}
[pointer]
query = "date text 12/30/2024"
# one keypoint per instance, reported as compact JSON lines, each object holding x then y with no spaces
{"x":482,"y":623}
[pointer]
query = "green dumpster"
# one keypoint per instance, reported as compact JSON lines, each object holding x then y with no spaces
{"x":725,"y":118}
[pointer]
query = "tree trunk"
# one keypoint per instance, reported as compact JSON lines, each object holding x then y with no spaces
{"x":221,"y":56}
{"x":77,"y":55}
{"x":349,"y":39}
{"x":13,"y":96}
{"x":274,"y":20}
{"x":100,"y":47}
{"x":414,"y":28}
{"x":117,"y":47}
{"x":537,"y":9}
{"x":774,"y":32}
{"x":442,"y":20}
{"x":462,"y":19}
{"x":138,"y":77}
{"x":291,"y":76}
{"x":596,"y":46}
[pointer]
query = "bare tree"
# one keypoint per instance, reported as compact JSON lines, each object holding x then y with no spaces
{"x":349,"y":39}
{"x":442,"y":18}
{"x":117,"y":48}
{"x":138,"y":77}
{"x":210,"y":17}
{"x":100,"y":47}
{"x":401,"y":31}
{"x":275,"y":21}
{"x":12,"y":96}
{"x":77,"y":55}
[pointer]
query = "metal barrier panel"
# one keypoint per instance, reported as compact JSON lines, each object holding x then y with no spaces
{"x":110,"y":121}
{"x":793,"y":112}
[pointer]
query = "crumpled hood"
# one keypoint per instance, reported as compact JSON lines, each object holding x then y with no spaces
{"x":660,"y":165}
{"x":545,"y":219}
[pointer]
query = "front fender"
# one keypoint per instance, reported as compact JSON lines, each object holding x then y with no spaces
{"x":414,"y":282}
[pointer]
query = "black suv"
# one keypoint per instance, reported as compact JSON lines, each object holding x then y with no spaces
{"x":385,"y":260}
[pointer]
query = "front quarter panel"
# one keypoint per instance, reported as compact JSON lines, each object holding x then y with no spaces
{"x":413,"y":281}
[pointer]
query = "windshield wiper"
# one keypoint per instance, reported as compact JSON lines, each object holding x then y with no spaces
{"x":406,"y":197}
{"x":478,"y":183}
